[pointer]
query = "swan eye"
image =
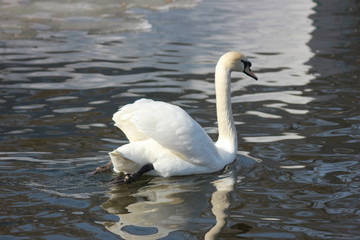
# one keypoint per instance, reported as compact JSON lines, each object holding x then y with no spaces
{"x":246,"y":63}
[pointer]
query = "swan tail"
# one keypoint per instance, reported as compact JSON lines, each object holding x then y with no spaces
{"x":122,"y":164}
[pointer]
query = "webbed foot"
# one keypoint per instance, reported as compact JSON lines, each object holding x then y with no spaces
{"x":128,"y":178}
{"x":102,"y":168}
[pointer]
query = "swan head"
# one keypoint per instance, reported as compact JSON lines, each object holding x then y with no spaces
{"x":235,"y":61}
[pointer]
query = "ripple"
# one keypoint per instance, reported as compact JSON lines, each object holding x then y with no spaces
{"x":28,"y":107}
{"x":353,"y":132}
{"x":292,"y":97}
{"x":139,"y":231}
{"x":62,"y":98}
{"x":73,"y":110}
{"x":262,"y":139}
{"x":261,"y":114}
{"x":287,"y":109}
{"x":69,"y":65}
{"x":26,"y":19}
{"x":88,"y":126}
{"x":293,"y":166}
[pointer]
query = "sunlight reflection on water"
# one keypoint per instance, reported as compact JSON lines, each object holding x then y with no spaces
{"x":66,"y":68}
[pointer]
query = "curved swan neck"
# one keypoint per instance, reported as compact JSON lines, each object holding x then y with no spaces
{"x":227,"y":141}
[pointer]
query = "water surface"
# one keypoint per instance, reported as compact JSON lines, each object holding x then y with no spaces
{"x":66,"y":68}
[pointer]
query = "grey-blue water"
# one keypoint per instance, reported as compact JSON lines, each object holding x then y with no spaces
{"x":66,"y":67}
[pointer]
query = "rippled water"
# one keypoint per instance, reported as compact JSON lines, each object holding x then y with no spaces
{"x":66,"y":68}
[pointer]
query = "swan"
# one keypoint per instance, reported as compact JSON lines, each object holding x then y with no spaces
{"x":165,"y":141}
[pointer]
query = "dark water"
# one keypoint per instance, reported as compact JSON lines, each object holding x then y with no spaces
{"x":65,"y":69}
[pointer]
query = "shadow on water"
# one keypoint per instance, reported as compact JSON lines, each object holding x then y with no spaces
{"x":173,"y":207}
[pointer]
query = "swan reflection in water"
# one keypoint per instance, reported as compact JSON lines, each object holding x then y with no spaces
{"x":158,"y":208}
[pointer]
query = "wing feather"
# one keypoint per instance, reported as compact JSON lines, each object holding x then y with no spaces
{"x":170,"y":126}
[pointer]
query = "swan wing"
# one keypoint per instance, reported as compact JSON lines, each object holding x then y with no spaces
{"x":170,"y":126}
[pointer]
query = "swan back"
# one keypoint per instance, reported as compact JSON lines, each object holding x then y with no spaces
{"x":169,"y":126}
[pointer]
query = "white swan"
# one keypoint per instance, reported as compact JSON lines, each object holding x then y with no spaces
{"x":166,"y":141}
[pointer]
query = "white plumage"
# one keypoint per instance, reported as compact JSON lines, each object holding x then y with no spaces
{"x":165,"y":136}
